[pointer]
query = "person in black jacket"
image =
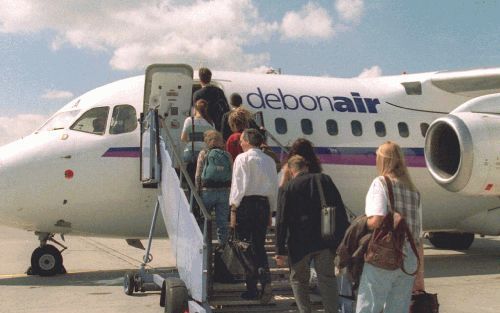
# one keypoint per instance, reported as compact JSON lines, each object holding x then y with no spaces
{"x":217,"y":102}
{"x":298,"y":234}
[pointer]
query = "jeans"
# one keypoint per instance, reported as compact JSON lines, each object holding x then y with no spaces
{"x":386,"y":290}
{"x":218,"y":199}
{"x":252,"y":218}
{"x":299,"y":279}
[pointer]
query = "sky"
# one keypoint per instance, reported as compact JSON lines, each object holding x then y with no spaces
{"x":52,"y":51}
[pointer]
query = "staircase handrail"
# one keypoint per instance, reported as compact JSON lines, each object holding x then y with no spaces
{"x":207,"y":218}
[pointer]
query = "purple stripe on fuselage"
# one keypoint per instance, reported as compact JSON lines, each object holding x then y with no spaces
{"x":332,"y":156}
{"x":361,"y":156}
{"x":122,"y":152}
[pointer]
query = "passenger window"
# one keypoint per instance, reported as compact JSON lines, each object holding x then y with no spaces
{"x":280,"y":125}
{"x":332,"y":127}
{"x":307,"y":126}
{"x":403,"y":129}
{"x":124,"y":119}
{"x":93,"y":121}
{"x":356,"y":128}
{"x":380,"y":129}
{"x":423,"y":128}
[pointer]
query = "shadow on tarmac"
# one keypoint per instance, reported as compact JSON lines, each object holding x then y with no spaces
{"x":482,"y":258}
{"x":95,"y":278}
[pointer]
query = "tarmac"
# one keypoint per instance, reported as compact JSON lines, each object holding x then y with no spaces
{"x":465,"y":281}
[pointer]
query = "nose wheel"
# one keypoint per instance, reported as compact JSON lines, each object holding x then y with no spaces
{"x":46,"y":260}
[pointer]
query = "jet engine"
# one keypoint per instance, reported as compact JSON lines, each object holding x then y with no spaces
{"x":462,"y":149}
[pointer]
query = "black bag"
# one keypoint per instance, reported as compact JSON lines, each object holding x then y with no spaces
{"x":238,"y":256}
{"x":423,"y":302}
{"x":221,"y":272}
{"x":327,"y":214}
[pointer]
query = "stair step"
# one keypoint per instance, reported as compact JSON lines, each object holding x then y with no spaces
{"x":280,"y":303}
{"x":275,"y":284}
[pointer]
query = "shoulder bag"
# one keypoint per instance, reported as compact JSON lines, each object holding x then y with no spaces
{"x":327,"y":213}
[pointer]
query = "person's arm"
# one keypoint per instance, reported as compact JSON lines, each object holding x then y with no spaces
{"x":199,"y":169}
{"x":238,"y":183}
{"x":184,"y":134}
{"x":282,"y":222}
{"x":374,"y":221}
{"x":273,"y":194}
{"x":376,"y":204}
{"x":225,"y":105}
{"x":224,"y":127}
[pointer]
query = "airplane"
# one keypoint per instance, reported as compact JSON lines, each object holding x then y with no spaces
{"x":80,"y":172}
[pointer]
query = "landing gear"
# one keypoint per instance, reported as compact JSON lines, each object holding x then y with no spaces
{"x":451,"y":241}
{"x":47,"y":260}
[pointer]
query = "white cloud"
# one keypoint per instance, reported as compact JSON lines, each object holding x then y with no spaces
{"x":13,"y":128}
{"x":350,"y":10}
{"x":137,"y":33}
{"x":312,"y":21}
{"x":373,"y":71}
{"x":57,"y":94}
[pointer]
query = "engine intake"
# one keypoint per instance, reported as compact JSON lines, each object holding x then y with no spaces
{"x":462,"y":149}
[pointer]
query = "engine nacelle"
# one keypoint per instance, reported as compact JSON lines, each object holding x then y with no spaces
{"x":462,"y":149}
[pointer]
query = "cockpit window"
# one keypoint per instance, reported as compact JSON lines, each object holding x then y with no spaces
{"x":93,"y":121}
{"x":60,"y":120}
{"x":124,"y":119}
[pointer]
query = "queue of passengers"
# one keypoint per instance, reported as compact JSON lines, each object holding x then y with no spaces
{"x":236,"y":175}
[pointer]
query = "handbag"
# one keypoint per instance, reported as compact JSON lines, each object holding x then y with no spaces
{"x":423,"y":302}
{"x":327,"y":214}
{"x":385,"y":249}
{"x":238,"y":256}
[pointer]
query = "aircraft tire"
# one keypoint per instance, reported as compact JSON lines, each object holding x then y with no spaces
{"x":451,"y":241}
{"x":176,"y":295}
{"x":46,"y":261}
{"x":129,"y":283}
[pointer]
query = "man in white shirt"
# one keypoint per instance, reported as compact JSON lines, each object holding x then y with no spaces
{"x":254,"y":192}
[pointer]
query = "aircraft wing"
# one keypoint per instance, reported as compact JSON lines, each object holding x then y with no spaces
{"x":470,"y":83}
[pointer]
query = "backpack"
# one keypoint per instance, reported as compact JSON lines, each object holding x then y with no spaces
{"x":217,"y":169}
{"x":385,"y":249}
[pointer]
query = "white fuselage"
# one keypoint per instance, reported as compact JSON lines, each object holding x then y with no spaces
{"x":103,"y":196}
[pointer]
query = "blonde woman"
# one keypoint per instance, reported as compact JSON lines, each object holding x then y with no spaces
{"x":380,"y":289}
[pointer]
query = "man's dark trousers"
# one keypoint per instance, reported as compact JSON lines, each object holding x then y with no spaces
{"x":252,"y":219}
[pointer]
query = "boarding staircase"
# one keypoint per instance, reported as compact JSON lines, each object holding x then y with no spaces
{"x":190,"y":287}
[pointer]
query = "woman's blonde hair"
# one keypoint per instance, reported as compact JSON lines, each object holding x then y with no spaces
{"x":391,"y":162}
{"x":213,"y":139}
{"x":238,"y":119}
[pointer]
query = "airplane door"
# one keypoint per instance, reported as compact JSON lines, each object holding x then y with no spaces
{"x":168,"y":93}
